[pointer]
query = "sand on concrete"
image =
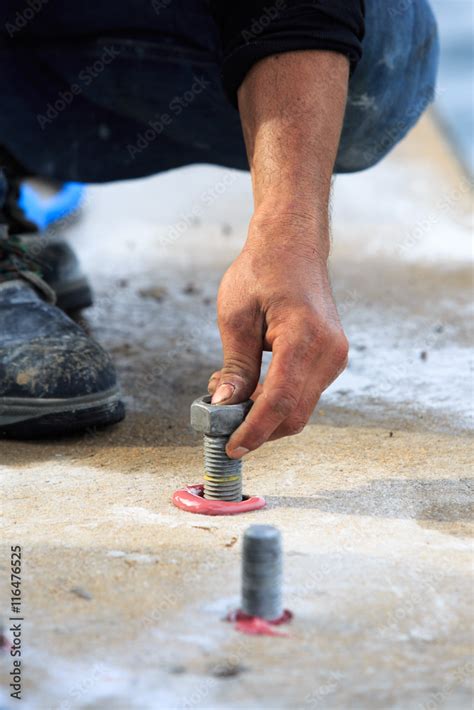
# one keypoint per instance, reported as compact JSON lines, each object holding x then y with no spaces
{"x":124,"y":595}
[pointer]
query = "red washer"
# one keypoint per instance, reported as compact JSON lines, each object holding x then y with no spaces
{"x":192,"y":499}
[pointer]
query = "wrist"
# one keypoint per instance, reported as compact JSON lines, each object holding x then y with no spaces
{"x":292,"y":190}
{"x":292,"y":226}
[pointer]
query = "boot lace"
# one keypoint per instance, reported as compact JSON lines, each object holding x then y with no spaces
{"x":16,"y":258}
{"x":18,"y":262}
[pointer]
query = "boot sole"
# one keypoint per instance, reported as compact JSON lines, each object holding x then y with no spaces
{"x":22,"y":418}
{"x":74,"y":296}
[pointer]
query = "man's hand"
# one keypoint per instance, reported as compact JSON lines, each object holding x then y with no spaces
{"x":276,"y":295}
{"x":280,"y":300}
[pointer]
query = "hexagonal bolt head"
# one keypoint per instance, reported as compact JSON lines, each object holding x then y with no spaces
{"x":217,"y":419}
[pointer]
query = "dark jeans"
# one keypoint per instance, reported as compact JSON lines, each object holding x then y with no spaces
{"x":98,"y":106}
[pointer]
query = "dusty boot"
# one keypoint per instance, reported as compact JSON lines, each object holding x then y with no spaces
{"x":60,"y":267}
{"x":61,"y":270}
{"x":54,"y":379}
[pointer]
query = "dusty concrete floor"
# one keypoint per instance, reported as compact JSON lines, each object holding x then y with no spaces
{"x":124,"y":594}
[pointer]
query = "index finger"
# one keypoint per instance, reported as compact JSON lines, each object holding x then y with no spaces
{"x":280,"y":394}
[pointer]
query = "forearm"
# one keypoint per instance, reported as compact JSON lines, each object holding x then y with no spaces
{"x":276,"y":295}
{"x":292,"y":107}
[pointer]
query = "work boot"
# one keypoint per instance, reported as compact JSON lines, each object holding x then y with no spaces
{"x":60,"y":267}
{"x":54,"y":379}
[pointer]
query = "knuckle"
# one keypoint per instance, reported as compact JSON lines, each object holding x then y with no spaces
{"x":308,"y":343}
{"x":340,"y":349}
{"x":324,"y":339}
{"x":313,"y":329}
{"x":237,"y":318}
{"x":238,"y":363}
{"x":315,"y":336}
{"x":327,"y":336}
{"x":304,"y":342}
{"x":231,"y":320}
{"x":312,"y":322}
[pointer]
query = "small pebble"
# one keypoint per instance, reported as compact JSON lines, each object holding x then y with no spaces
{"x":190,"y":289}
{"x":81,"y":593}
{"x":157,"y":293}
{"x":177,"y":670}
{"x":228,"y":670}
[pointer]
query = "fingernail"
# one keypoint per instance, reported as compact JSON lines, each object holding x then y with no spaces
{"x":239,"y":452}
{"x":223,"y":392}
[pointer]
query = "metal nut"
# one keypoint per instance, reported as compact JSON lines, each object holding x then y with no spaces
{"x":217,"y":419}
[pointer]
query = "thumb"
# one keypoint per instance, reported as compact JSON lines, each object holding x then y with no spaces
{"x":242,"y":362}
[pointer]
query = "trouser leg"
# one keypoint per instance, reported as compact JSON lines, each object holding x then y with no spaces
{"x":394,"y":82}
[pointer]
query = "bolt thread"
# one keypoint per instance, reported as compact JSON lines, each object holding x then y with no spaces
{"x":223,"y":476}
{"x":262,"y":571}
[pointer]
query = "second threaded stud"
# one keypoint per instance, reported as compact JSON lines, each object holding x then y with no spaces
{"x":262,"y":572}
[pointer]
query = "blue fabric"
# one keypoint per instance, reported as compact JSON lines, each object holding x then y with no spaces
{"x":44,"y":211}
{"x":101,"y":107}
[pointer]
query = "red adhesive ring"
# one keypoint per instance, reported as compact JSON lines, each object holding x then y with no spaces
{"x":256,"y":626}
{"x":192,"y":500}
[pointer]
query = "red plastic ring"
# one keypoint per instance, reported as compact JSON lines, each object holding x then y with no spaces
{"x":256,"y":626}
{"x":192,"y":500}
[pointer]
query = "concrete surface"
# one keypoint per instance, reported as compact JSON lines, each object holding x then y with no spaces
{"x":124,"y":595}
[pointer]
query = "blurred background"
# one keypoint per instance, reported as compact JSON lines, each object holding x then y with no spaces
{"x":455,"y":102}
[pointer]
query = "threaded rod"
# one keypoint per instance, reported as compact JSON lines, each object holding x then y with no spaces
{"x":223,"y":476}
